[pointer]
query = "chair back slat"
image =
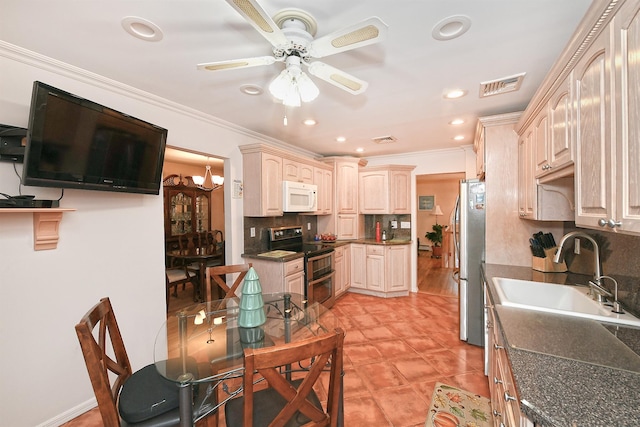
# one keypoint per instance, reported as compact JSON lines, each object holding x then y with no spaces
{"x":98,"y":361}
{"x":216,"y":275}
{"x":322,"y":351}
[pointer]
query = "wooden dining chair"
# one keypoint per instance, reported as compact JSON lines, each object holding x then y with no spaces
{"x":217,"y":275}
{"x":290,"y":403}
{"x":141,"y":398}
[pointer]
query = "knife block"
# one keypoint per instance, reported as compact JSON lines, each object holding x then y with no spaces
{"x":546,"y":264}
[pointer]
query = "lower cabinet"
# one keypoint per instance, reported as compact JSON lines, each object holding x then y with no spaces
{"x":343,"y":269}
{"x":380,"y":270}
{"x":505,"y":405}
{"x":278,"y":277}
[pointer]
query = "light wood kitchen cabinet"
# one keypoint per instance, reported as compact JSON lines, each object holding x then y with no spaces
{"x":262,"y":189}
{"x":346,"y":186}
{"x":278,"y":277}
{"x":343,"y":269}
{"x":380,"y":270}
{"x":594,"y":168}
{"x":323,"y":178}
{"x":505,"y":405}
{"x":478,"y":147}
{"x":560,"y":146}
{"x":541,"y":144}
{"x":358,"y":266}
{"x":294,"y":170}
{"x":385,"y":190}
{"x":526,"y":180}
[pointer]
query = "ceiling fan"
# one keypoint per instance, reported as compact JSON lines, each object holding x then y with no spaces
{"x":291,"y":33}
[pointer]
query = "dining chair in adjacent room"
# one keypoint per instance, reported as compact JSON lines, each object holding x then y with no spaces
{"x":141,"y":398}
{"x":217,"y":275}
{"x":284,"y":402}
{"x":180,"y":275}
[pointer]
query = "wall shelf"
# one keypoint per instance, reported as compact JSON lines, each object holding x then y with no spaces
{"x":46,"y":222}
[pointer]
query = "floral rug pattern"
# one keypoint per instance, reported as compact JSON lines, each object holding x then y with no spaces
{"x":452,"y":407}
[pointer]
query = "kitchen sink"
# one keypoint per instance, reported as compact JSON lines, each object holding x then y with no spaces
{"x":556,"y":298}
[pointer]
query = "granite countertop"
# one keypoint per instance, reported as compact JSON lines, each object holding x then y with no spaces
{"x":335,"y":244}
{"x":569,"y":371}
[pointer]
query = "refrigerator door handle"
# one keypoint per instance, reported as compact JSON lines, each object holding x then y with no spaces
{"x":456,"y":221}
{"x":463,"y":295}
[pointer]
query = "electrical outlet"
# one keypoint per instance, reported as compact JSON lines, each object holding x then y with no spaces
{"x":308,"y":226}
{"x":252,"y":232}
{"x":405,"y":224}
{"x":576,"y":246}
{"x":394,"y":224}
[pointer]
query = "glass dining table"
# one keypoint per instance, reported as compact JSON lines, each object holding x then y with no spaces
{"x":201,"y":347}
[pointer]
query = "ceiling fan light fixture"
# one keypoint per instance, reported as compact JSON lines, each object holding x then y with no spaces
{"x":293,"y":86}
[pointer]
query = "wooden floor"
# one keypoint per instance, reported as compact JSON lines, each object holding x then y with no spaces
{"x":396,"y":349}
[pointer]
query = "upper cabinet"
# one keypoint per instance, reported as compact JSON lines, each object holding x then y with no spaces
{"x":186,"y":207}
{"x":587,"y":111}
{"x":294,"y":170}
{"x":478,"y":147}
{"x":266,"y":167}
{"x":385,"y":190}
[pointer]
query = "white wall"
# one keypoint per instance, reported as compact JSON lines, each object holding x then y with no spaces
{"x":112,"y":245}
{"x":428,"y":162}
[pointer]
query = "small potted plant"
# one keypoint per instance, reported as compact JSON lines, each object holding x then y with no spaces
{"x":435,"y":237}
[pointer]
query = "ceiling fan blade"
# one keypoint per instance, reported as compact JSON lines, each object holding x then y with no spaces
{"x":237,"y":63}
{"x":338,"y":78}
{"x":369,"y":31}
{"x":260,"y":20}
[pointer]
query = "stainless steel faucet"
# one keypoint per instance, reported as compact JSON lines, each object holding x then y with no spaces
{"x":596,"y":283}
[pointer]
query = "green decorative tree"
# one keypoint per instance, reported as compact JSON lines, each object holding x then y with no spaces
{"x":436,"y":238}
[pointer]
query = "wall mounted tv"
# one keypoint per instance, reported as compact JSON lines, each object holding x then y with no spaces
{"x":76,"y":143}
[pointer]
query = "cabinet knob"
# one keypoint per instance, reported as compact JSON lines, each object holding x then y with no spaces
{"x":496,"y":380}
{"x":611,"y":223}
{"x":602,"y":222}
{"x":497,"y":347}
{"x":508,"y":397}
{"x":496,"y":414}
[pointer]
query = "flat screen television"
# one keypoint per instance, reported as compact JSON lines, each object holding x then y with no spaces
{"x":76,"y":143}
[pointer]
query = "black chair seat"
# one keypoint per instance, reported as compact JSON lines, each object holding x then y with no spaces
{"x":267,"y":404}
{"x":146,"y":394}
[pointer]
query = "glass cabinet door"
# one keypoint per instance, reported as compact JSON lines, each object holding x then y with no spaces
{"x":202,"y":213}
{"x":180,"y":214}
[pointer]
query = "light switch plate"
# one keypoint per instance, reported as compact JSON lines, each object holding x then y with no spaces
{"x":394,"y":224}
{"x":252,"y":232}
{"x":405,"y":224}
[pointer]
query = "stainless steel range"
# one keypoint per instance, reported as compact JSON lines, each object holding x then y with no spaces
{"x":318,"y":266}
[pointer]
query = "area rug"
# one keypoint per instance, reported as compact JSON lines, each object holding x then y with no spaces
{"x":452,"y":407}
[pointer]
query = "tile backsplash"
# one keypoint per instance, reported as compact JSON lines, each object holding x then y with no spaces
{"x":620,"y":259}
{"x":260,"y":243}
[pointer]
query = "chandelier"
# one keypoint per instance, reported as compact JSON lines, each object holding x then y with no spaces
{"x":216,"y":180}
{"x":292,"y":85}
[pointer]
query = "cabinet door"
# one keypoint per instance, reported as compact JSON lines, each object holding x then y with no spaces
{"x":374,"y":192}
{"x":540,"y":144}
{"x":202,"y":213}
{"x":295,"y":171}
{"x":347,"y":187}
{"x":593,"y":178}
{"x":339,"y":267}
{"x":323,"y":178}
{"x":627,"y":28}
{"x":375,"y":272}
{"x":295,"y":283}
{"x":347,"y":226}
{"x":526,"y":180}
{"x":358,"y":267}
{"x":272,"y":184}
{"x":398,"y":263}
{"x":478,"y":147}
{"x":560,"y":145}
{"x":180,"y":212}
{"x":400,"y":196}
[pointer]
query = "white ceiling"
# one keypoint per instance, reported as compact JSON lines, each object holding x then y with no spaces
{"x":408,"y":73}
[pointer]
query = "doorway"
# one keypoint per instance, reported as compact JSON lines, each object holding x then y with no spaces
{"x":186,"y":167}
{"x":437,"y":195}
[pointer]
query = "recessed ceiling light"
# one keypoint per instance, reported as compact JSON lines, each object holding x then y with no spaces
{"x":251,"y":90}
{"x":456,"y":122}
{"x":359,"y":149}
{"x":451,"y":27}
{"x":141,"y":28}
{"x":455,"y":93}
{"x":458,"y":137}
{"x":310,"y":122}
{"x":341,"y":139}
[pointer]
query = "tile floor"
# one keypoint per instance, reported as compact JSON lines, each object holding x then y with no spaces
{"x":396,"y":349}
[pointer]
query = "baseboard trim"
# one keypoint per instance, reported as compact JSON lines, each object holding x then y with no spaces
{"x":70,"y":414}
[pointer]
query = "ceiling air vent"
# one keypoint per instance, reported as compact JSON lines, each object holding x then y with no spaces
{"x":503,"y":85}
{"x":385,"y":139}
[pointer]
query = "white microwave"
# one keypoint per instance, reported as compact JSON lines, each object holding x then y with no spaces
{"x":299,"y":197}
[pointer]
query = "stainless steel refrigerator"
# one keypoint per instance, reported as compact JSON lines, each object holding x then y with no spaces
{"x":469,"y":232}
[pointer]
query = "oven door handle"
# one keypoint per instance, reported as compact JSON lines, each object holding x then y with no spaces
{"x":324,"y":277}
